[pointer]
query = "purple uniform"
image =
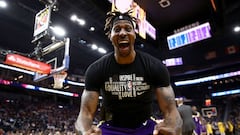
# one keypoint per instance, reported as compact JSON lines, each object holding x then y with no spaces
{"x":145,"y":129}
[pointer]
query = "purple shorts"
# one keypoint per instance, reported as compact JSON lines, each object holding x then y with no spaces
{"x":145,"y":129}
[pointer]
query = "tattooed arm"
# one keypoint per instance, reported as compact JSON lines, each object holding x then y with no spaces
{"x":88,"y":107}
{"x":172,"y":120}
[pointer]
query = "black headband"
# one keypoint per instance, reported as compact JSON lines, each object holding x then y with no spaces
{"x":123,"y":17}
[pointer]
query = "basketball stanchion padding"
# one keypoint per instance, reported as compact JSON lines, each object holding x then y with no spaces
{"x":59,"y":79}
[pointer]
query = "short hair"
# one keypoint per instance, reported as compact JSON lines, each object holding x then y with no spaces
{"x":111,"y":16}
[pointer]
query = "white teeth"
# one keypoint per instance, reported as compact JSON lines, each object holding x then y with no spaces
{"x":123,"y":42}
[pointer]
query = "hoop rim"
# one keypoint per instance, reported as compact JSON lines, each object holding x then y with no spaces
{"x":60,"y":73}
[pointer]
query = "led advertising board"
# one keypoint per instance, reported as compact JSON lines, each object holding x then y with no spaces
{"x":189,"y":36}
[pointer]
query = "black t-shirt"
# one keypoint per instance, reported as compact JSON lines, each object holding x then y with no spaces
{"x":127,"y":89}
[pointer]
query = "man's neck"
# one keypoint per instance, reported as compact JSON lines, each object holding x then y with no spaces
{"x":125,"y":60}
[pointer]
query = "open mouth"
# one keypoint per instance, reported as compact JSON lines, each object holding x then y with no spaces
{"x":123,"y":45}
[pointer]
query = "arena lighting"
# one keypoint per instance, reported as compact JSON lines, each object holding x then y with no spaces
{"x":223,"y":93}
{"x":3,"y":4}
{"x":32,"y":87}
{"x":101,"y":50}
{"x":79,"y":20}
{"x":27,"y":86}
{"x":73,"y":17}
{"x":82,"y":41}
{"x":208,"y":78}
{"x":236,"y":29}
{"x":74,"y":83}
{"x":58,"y":30}
{"x":92,"y":28}
{"x":94,"y":46}
{"x":57,"y":92}
{"x":20,"y":76}
{"x":48,"y":2}
{"x":17,"y":69}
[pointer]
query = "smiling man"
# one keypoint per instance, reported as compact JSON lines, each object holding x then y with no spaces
{"x":127,"y":80}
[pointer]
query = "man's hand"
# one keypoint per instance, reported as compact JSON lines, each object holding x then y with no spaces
{"x":162,"y":129}
{"x":94,"y":130}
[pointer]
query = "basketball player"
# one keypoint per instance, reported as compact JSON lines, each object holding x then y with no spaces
{"x":127,"y":79}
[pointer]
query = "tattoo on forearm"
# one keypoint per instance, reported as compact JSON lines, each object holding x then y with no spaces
{"x":89,"y":98}
{"x":87,"y":121}
{"x":177,"y":122}
{"x":170,"y":99}
{"x":168,"y":121}
{"x":88,"y":108}
{"x":178,"y":125}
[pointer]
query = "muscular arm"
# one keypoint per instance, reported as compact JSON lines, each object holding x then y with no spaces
{"x":88,"y":107}
{"x":166,"y":101}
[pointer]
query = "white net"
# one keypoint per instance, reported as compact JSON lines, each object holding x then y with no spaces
{"x":59,"y":79}
{"x":209,"y":115}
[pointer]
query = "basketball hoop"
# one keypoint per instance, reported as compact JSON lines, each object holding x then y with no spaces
{"x":59,"y":79}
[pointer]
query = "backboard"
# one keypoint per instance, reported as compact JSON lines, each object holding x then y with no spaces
{"x":209,"y":111}
{"x":57,"y":55}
